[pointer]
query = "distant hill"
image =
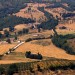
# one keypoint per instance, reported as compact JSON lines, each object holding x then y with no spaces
{"x":13,"y":6}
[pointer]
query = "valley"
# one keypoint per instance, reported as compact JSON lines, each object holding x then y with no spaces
{"x":39,"y":29}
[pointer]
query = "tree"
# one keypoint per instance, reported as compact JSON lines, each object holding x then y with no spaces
{"x":6,"y":33}
{"x":25,"y":30}
{"x":9,"y":41}
{"x":16,"y":38}
{"x":0,"y":35}
{"x":27,"y":54}
{"x":11,"y":28}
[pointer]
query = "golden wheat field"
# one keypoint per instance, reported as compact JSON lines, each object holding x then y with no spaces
{"x":5,"y":48}
{"x":48,"y":51}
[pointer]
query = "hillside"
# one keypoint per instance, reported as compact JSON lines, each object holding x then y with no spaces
{"x":10,"y":6}
{"x":37,"y":37}
{"x":35,"y":14}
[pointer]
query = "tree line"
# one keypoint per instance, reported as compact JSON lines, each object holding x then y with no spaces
{"x":61,"y":42}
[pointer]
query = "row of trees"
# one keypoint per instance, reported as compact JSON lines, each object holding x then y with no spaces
{"x":28,"y":54}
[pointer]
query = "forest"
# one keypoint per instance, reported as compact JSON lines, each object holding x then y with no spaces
{"x":61,"y":42}
{"x":11,"y":6}
{"x":13,"y":20}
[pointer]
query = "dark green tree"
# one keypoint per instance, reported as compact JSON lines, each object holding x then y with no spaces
{"x":25,"y":30}
{"x":7,"y":34}
{"x":0,"y":35}
{"x":8,"y":40}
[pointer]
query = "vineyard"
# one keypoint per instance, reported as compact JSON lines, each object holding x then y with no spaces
{"x":52,"y":64}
